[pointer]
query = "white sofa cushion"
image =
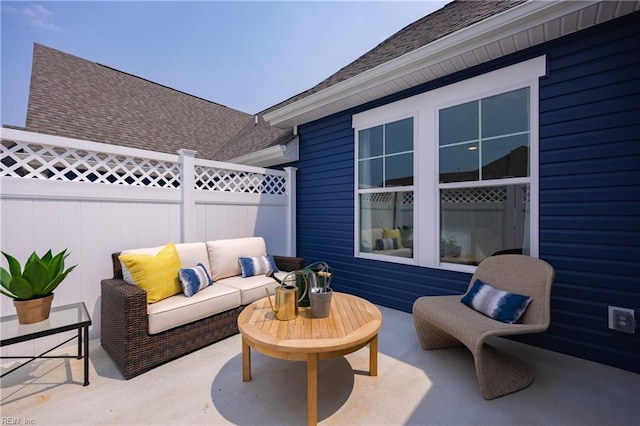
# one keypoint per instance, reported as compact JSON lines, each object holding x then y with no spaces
{"x":252,"y":288}
{"x":224,"y":254}
{"x":190,"y":255}
{"x":179,"y":309}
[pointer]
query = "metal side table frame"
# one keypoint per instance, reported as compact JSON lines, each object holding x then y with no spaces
{"x":62,"y":318}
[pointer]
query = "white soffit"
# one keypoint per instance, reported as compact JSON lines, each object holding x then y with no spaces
{"x":272,"y":156}
{"x":515,"y":29}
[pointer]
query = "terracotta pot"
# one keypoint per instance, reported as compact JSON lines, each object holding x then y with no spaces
{"x":34,"y":310}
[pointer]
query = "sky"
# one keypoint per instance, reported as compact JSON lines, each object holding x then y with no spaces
{"x":244,"y":55}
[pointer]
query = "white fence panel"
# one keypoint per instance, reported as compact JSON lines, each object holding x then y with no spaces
{"x":96,"y":199}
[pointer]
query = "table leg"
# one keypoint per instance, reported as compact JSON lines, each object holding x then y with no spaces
{"x":246,"y":361}
{"x":80,"y":331}
{"x":373,"y":356}
{"x":86,"y":356}
{"x":312,"y":389}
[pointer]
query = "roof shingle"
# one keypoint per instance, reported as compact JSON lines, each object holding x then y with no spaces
{"x":73,"y":97}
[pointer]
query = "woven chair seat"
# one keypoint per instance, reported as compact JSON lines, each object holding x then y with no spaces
{"x":443,"y":321}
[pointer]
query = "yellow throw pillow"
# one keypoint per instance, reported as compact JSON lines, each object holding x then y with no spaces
{"x":157,"y":275}
{"x":392,"y":233}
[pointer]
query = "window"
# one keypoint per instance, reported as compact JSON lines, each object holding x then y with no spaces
{"x":479,"y":141}
{"x":452,"y":174}
{"x":385,"y":188}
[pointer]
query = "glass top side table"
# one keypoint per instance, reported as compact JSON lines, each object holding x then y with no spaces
{"x":62,"y":318}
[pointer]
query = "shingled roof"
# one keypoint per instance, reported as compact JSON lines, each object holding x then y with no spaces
{"x":73,"y":97}
{"x":452,"y":17}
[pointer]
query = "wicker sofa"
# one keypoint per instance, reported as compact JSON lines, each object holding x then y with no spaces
{"x":140,"y":336}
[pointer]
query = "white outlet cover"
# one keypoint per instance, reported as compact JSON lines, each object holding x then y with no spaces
{"x":617,"y":308}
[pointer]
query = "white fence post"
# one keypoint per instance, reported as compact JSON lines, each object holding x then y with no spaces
{"x":187,"y":202}
{"x":291,"y":210}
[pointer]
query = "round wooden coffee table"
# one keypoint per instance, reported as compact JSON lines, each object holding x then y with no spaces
{"x":352,"y":324}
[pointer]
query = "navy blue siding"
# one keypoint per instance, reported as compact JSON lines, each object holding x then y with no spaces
{"x":590,"y":190}
{"x":589,"y":195}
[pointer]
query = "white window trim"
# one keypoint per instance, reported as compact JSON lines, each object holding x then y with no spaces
{"x":424,"y":109}
{"x":373,"y":121}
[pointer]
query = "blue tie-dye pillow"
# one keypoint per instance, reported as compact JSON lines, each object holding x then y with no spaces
{"x":257,"y":265}
{"x":194,"y":279}
{"x":497,"y":304}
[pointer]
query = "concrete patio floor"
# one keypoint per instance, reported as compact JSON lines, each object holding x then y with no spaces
{"x":412,"y":387}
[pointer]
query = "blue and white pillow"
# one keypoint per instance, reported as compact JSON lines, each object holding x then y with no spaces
{"x":497,"y":304}
{"x":386,"y":243}
{"x":257,"y":265}
{"x":194,"y":279}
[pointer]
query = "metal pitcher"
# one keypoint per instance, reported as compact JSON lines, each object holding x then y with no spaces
{"x":286,"y":307}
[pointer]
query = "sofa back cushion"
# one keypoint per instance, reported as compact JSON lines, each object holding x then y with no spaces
{"x":224,"y":255}
{"x":190,"y":255}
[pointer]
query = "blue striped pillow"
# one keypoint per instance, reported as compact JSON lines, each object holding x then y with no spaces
{"x":257,"y":265}
{"x":386,"y":243}
{"x":497,"y":304}
{"x":194,"y":279}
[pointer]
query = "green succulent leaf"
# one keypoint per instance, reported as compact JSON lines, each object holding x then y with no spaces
{"x":21,"y":288}
{"x":5,"y":281}
{"x":14,"y":265}
{"x":46,"y":259}
{"x":56,"y":265}
{"x":6,"y":293}
{"x":56,"y":281}
{"x":37,"y":274}
{"x":30,"y":260}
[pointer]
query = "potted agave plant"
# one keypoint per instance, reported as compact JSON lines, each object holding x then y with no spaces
{"x":32,"y":288}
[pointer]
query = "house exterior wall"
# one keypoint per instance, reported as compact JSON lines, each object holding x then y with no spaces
{"x":589,"y":195}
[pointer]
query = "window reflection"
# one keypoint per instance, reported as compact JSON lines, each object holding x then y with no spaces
{"x":478,"y":222}
{"x":386,"y":223}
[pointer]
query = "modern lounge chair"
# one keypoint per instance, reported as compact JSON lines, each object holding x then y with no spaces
{"x":443,"y":321}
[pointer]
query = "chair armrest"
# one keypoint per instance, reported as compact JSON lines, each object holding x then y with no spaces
{"x":124,"y":308}
{"x":288,"y":264}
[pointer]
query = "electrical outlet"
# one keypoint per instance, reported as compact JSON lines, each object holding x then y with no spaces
{"x":622,"y":319}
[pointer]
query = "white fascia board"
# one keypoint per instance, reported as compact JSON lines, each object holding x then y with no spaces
{"x":272,"y":156}
{"x":509,"y":22}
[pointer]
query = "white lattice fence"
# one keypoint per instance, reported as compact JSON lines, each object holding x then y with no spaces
{"x":218,"y":179}
{"x":62,"y":163}
{"x":96,"y":199}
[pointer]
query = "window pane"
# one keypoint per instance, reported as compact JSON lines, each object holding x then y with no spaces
{"x":399,"y":136}
{"x":477,"y":222}
{"x":459,"y":123}
{"x":370,"y":142}
{"x":505,"y":113}
{"x":399,"y":170}
{"x":505,"y":157}
{"x":459,"y":163}
{"x":370,"y":173}
{"x":386,"y":223}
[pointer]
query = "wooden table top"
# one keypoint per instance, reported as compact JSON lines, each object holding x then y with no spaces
{"x":352,"y":321}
